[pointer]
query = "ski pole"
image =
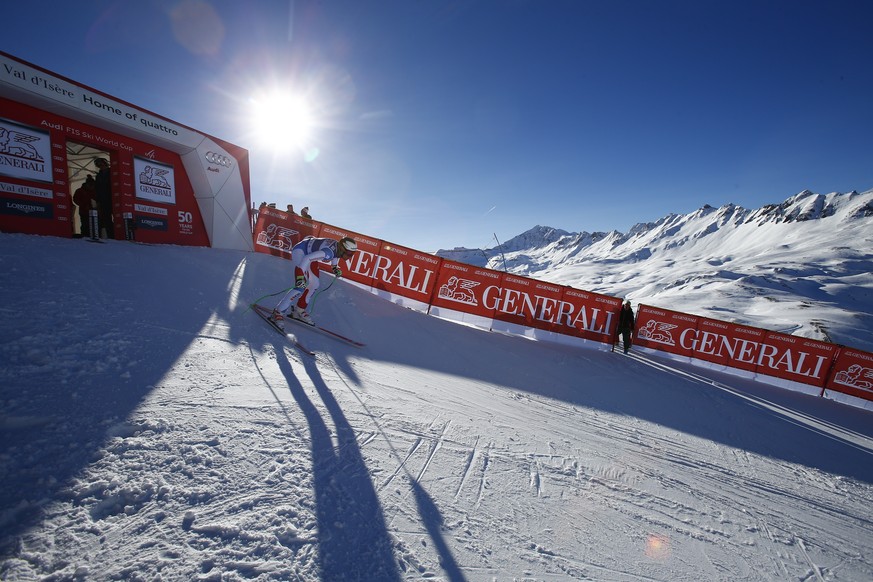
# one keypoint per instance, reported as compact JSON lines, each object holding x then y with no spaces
{"x":258,"y":300}
{"x":319,"y":292}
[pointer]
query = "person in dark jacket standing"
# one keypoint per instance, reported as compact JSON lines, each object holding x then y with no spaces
{"x":84,"y":198}
{"x":626,"y":325}
{"x":103,"y":195}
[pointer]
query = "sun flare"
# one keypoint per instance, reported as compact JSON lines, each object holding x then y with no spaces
{"x":282,"y":121}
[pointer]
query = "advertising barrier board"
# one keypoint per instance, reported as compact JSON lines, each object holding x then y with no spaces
{"x":461,"y":293}
{"x":795,"y":358}
{"x":665,"y":330}
{"x":725,"y":343}
{"x":359,"y":268}
{"x":526,"y":306}
{"x":521,"y":305}
{"x":405,"y":276}
{"x":852,"y":374}
{"x":587,"y":315}
{"x":514,"y":301}
{"x":275,"y":233}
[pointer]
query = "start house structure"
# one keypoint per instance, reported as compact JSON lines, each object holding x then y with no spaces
{"x":169,"y":183}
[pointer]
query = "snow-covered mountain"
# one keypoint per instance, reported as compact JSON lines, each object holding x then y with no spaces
{"x":804,"y":266}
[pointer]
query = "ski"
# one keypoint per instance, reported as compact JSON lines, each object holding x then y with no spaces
{"x":317,"y":328}
{"x":329,"y":333}
{"x":264,"y":314}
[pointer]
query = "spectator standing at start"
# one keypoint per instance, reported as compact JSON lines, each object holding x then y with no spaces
{"x":103,"y":196}
{"x":626,"y":325}
{"x":84,"y":197}
{"x":304,"y":255}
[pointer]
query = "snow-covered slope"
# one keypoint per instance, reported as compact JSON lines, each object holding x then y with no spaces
{"x":804,"y":266}
{"x":152,"y":429}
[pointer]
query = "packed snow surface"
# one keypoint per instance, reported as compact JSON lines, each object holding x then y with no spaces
{"x":153,"y":428}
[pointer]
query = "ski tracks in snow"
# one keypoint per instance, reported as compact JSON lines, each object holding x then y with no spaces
{"x":488,"y":484}
{"x":434,"y":445}
{"x":682,"y":497}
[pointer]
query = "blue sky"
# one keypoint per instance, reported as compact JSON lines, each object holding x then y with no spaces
{"x":437,"y":124}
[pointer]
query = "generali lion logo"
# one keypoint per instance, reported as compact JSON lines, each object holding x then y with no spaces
{"x":18,"y":144}
{"x":658,"y":332}
{"x":460,"y":290}
{"x":856,"y":376}
{"x":154,"y":177}
{"x":277,"y":237}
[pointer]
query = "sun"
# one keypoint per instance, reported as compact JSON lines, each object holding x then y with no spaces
{"x":282,"y":121}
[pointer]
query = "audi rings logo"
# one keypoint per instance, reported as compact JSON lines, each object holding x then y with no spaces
{"x":219,"y":159}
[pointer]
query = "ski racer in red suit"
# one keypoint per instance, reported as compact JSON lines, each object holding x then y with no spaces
{"x":303,"y":256}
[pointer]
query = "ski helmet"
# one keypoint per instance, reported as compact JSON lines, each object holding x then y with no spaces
{"x":348,"y":244}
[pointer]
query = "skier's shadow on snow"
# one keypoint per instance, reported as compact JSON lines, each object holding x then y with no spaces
{"x":433,"y":522}
{"x":354,"y":543}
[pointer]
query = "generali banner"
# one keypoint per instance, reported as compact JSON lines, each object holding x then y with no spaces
{"x":525,"y":303}
{"x":277,"y":231}
{"x":469,"y":290}
{"x":726,"y":343}
{"x":796,"y":358}
{"x":514,"y":304}
{"x":737,"y":346}
{"x":852,"y":374}
{"x":361,"y":266}
{"x":25,"y":152}
{"x":591,"y":316}
{"x":401,"y":272}
{"x":665,"y":330}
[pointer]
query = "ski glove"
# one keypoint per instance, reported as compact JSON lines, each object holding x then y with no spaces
{"x":337,"y":271}
{"x":300,"y":282}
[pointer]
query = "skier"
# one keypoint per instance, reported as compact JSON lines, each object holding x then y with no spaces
{"x":303,"y":256}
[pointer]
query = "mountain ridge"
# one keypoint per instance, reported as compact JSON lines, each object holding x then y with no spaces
{"x":802,"y":266}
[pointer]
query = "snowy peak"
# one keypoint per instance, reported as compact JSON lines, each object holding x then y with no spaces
{"x":810,"y":206}
{"x":804,"y":266}
{"x":679,"y":229}
{"x":538,"y":236}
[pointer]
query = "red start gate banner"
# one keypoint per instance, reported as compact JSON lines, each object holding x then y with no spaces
{"x":150,"y":192}
{"x":852,"y":374}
